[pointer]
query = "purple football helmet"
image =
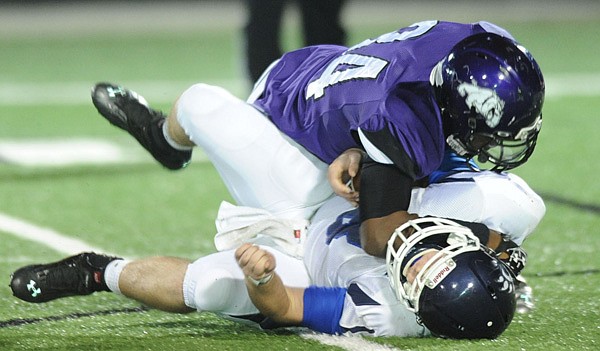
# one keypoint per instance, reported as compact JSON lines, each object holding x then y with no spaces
{"x":461,"y":291}
{"x":490,"y":91}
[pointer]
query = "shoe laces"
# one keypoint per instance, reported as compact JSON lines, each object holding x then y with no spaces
{"x":69,"y":276}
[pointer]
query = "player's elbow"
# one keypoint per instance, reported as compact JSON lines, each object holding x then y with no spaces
{"x":373,"y":241}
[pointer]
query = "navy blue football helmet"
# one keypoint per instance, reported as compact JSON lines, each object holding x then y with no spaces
{"x":461,"y":291}
{"x":491,"y":92}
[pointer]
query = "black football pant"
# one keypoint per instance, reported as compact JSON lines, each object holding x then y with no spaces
{"x":321,"y":24}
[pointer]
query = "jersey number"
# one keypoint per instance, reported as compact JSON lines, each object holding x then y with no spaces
{"x":351,"y":66}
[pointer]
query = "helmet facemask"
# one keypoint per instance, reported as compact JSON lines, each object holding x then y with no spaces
{"x":499,"y":151}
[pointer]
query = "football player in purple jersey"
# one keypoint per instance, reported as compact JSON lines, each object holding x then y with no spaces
{"x":406,"y":98}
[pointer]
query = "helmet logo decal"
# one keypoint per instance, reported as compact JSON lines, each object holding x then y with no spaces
{"x":442,"y":272}
{"x":506,"y":280}
{"x":485,"y":101}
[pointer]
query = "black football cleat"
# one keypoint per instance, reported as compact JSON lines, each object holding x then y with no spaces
{"x":76,"y":275}
{"x":129,"y":111}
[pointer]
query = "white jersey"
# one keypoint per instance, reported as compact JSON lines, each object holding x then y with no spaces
{"x":503,"y":202}
{"x":334,"y":258}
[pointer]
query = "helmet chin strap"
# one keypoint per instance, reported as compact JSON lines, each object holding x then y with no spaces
{"x":462,"y":150}
{"x":457,"y":145}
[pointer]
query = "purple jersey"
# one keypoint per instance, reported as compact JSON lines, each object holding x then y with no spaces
{"x":375,"y":95}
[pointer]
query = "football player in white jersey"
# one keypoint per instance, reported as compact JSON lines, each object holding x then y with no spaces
{"x":336,"y":287}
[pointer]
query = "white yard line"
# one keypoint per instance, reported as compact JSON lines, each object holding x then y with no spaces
{"x":165,"y":92}
{"x":65,"y":152}
{"x":45,"y":236}
{"x":78,"y":93}
{"x":76,"y":151}
{"x":350,"y":343}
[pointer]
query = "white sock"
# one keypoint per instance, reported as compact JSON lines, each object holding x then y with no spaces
{"x":112,"y":273}
{"x":170,"y":141}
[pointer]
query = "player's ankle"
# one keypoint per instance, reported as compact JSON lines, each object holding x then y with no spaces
{"x":174,"y":144}
{"x":112,"y":273}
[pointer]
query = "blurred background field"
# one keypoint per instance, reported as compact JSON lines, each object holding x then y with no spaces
{"x":51,"y":53}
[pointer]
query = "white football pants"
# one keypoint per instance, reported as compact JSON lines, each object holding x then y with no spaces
{"x":260,"y":166}
{"x":215,"y":283}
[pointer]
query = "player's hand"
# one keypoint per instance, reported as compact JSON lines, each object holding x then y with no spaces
{"x":515,"y":258}
{"x":255,"y":262}
{"x":343,"y":175}
{"x":513,"y":255}
{"x":418,"y":264}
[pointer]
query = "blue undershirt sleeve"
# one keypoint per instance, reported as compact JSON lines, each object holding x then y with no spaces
{"x":323,"y":309}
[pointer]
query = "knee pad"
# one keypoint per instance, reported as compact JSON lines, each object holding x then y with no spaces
{"x":210,"y":114}
{"x":201,"y":101}
{"x":215,"y":283}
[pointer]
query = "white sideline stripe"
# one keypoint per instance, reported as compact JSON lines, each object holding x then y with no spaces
{"x":63,"y":152}
{"x":165,"y":92}
{"x":572,"y":84}
{"x":75,"y":151}
{"x":78,"y":93}
{"x":69,"y":246}
{"x":44,"y":236}
{"x":347,"y":342}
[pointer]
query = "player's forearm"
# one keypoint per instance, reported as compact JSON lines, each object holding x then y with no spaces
{"x":376,"y":232}
{"x":276,"y":301}
{"x":506,"y":250}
